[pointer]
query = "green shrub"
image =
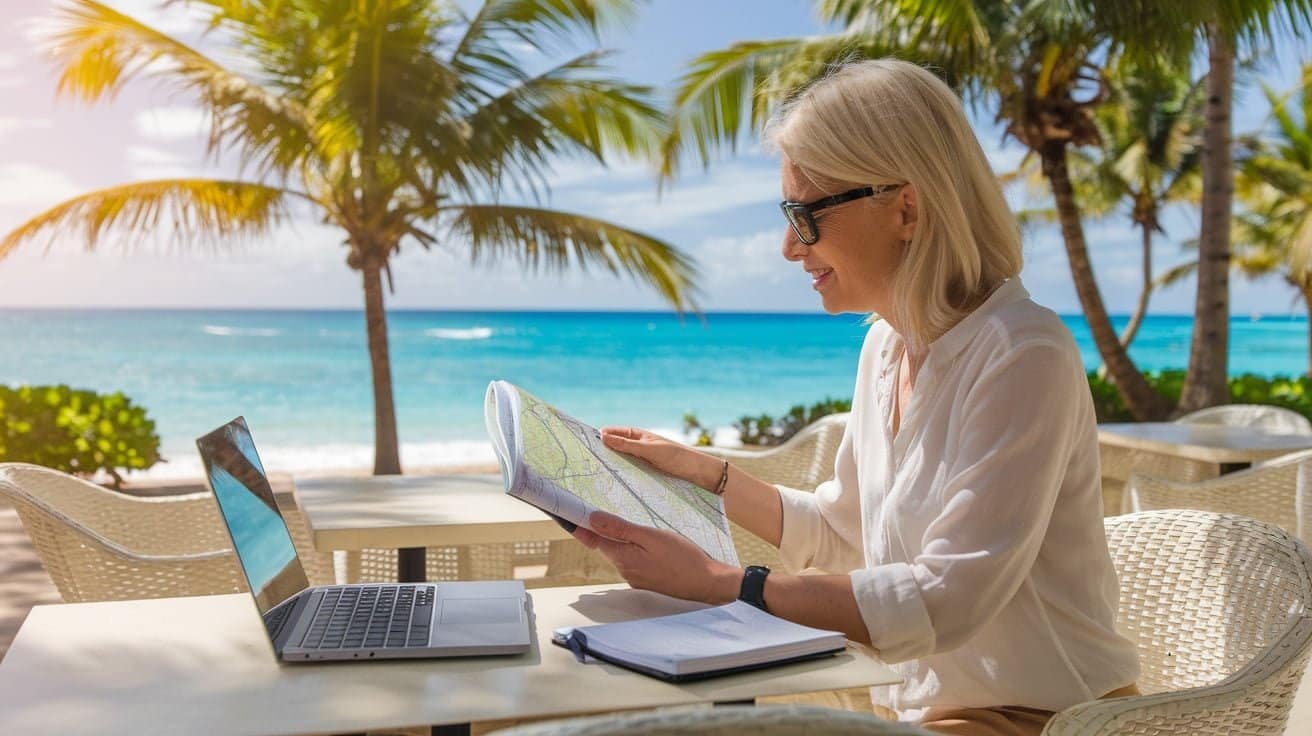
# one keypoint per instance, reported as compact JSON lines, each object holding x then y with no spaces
{"x":766,"y":430}
{"x":76,"y":431}
{"x":1291,"y":393}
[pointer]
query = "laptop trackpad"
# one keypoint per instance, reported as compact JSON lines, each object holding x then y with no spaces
{"x":467,"y":611}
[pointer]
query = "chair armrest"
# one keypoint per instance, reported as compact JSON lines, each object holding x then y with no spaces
{"x":109,"y":545}
{"x":1218,"y":704}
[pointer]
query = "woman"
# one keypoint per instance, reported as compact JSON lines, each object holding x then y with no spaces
{"x":962,"y":533}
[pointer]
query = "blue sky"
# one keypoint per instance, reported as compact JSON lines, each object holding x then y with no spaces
{"x":726,"y":218}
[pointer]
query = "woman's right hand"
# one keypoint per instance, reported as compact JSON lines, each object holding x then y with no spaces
{"x":665,"y":455}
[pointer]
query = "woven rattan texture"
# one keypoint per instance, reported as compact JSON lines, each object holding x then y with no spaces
{"x":1278,"y":492}
{"x":98,"y":545}
{"x":1259,"y":416}
{"x":763,"y":720}
{"x":1221,"y":609}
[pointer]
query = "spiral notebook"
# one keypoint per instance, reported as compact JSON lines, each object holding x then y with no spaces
{"x":721,"y":640}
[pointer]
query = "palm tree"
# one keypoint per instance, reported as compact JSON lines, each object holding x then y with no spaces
{"x":402,"y":122}
{"x":1225,"y":26}
{"x":1148,"y":159}
{"x":1041,"y":62}
{"x":1274,"y":233}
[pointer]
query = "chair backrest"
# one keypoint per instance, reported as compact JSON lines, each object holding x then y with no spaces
{"x":1258,"y":416}
{"x":97,"y":544}
{"x":763,"y":720}
{"x":1278,"y":491}
{"x":1213,"y":596}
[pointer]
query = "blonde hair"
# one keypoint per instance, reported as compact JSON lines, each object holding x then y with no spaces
{"x":888,"y":121}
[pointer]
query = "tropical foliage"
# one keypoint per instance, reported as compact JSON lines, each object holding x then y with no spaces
{"x":76,"y":431}
{"x":401,"y":122}
{"x":1290,"y":392}
{"x":1041,"y":65}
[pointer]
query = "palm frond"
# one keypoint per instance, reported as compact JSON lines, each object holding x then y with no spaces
{"x":570,"y":108}
{"x":486,"y":56}
{"x":1175,"y":274}
{"x":98,"y":50}
{"x":540,"y":239}
{"x":204,"y":212}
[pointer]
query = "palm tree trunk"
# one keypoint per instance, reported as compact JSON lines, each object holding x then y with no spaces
{"x":387,"y":454}
{"x":1205,"y":383}
{"x":1142,"y":401}
{"x":1307,"y":300}
{"x":1145,"y":293}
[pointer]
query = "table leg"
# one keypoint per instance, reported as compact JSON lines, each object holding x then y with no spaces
{"x":411,"y":565}
{"x":451,"y":729}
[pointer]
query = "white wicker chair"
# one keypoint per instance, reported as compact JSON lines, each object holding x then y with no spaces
{"x":1258,"y":416}
{"x":1278,"y":492}
{"x":804,"y":461}
{"x":764,"y":720}
{"x":1221,"y":608}
{"x":98,"y":545}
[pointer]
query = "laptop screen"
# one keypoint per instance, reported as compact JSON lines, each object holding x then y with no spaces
{"x":246,"y":502}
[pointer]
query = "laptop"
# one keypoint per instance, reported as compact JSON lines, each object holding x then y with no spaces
{"x":347,"y":622}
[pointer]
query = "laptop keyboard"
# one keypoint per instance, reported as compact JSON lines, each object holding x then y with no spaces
{"x":372,"y":617}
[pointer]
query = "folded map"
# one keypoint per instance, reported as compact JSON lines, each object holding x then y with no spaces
{"x":559,"y":464}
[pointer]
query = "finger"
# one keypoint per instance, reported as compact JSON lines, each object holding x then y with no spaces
{"x":586,"y":537}
{"x":613,"y":527}
{"x":622,"y":439}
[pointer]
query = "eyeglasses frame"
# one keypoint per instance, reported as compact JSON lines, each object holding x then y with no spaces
{"x":807,"y":210}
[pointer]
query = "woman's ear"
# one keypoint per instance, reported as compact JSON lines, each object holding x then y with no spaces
{"x":908,"y":201}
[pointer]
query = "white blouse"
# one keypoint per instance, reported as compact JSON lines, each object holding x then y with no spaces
{"x":974,"y":538}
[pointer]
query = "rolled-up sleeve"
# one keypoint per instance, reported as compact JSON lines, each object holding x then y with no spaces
{"x":823,"y":529}
{"x":1017,"y":425}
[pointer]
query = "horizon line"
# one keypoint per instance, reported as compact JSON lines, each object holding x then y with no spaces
{"x":537,"y":310}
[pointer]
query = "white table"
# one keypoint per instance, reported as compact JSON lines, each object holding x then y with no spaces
{"x":204,"y":665}
{"x":411,"y":512}
{"x":1219,"y":444}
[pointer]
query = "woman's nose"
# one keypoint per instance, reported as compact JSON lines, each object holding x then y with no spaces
{"x":793,"y":248}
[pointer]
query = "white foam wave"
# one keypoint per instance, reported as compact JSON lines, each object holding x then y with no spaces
{"x":470,"y":333}
{"x":339,"y":458}
{"x":330,"y":458}
{"x":224,"y":331}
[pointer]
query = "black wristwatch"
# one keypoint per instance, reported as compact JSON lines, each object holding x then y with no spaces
{"x":753,"y":588}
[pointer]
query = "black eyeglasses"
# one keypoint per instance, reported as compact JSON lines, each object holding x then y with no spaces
{"x":802,"y":215}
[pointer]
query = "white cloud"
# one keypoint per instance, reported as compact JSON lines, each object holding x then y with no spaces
{"x":176,"y":18}
{"x":754,"y":258}
{"x":172,"y":123}
{"x":26,"y":186}
{"x":725,"y":188}
{"x":148,"y":162}
{"x":8,"y":125}
{"x":569,"y":173}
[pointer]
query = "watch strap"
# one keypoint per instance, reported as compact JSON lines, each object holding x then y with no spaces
{"x":753,"y":586}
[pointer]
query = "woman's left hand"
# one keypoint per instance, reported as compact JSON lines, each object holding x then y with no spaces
{"x":660,"y":560}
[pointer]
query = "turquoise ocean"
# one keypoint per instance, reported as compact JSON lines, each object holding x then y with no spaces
{"x":301,"y":378}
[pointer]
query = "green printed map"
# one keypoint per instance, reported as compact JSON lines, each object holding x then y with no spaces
{"x":566,"y":454}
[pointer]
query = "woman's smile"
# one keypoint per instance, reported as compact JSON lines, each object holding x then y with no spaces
{"x":820,"y":277}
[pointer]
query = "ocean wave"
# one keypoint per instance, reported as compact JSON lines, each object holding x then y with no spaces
{"x":351,"y":458}
{"x":223,"y":331}
{"x":469,"y":333}
{"x":328,"y":459}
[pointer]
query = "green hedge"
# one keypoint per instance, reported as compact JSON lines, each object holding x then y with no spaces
{"x":76,"y":431}
{"x":766,"y":430}
{"x":1291,"y":393}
